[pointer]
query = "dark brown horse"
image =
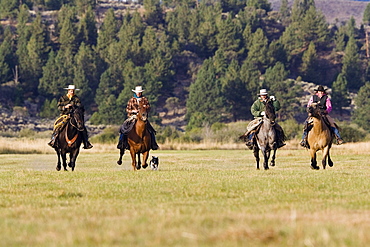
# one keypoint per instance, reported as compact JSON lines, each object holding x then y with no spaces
{"x":70,"y":139}
{"x":266,"y":137}
{"x":319,"y":138}
{"x":139,"y":140}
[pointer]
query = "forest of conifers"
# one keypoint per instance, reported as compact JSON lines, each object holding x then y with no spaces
{"x":211,"y":57}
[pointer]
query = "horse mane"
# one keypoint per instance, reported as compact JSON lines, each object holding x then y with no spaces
{"x":270,"y":110}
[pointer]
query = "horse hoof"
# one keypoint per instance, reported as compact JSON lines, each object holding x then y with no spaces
{"x":266,"y":168}
{"x":69,"y":164}
{"x":315,"y":168}
{"x":119,"y":162}
{"x":58,"y":168}
{"x":272,"y":164}
{"x":138,"y":167}
{"x":145,"y":166}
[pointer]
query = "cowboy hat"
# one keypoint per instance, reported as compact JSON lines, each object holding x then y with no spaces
{"x":138,"y":89}
{"x":71,"y":87}
{"x":321,"y":89}
{"x":263,"y":92}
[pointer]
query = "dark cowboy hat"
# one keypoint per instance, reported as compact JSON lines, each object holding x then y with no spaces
{"x":321,"y":89}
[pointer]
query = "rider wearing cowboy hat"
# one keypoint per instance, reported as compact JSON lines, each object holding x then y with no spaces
{"x":258,"y":111}
{"x":132,"y":109}
{"x":65,"y":104}
{"x":324,"y":103}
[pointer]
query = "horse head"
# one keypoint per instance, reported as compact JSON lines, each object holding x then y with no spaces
{"x":77,"y":117}
{"x":314,"y":110}
{"x":143,"y":112}
{"x":270,"y":111}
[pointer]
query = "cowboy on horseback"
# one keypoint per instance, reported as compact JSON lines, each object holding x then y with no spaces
{"x":132,"y":109}
{"x":324,"y":103}
{"x":65,"y":106}
{"x":258,"y":111}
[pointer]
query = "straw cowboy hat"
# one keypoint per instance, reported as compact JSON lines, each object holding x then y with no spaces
{"x":138,"y":89}
{"x":71,"y":87}
{"x":321,"y":89}
{"x":263,"y":92}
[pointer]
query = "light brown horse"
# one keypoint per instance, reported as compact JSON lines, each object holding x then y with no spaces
{"x":139,"y":139}
{"x":319,"y":138}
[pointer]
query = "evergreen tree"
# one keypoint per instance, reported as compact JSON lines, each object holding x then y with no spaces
{"x":153,"y":12}
{"x":87,"y":31}
{"x":284,"y":10}
{"x":236,"y":95}
{"x":228,"y":38}
{"x":351,"y":69}
{"x":48,"y":85}
{"x":366,"y":15}
{"x":205,"y":97}
{"x":340,"y":96}
{"x":250,"y":75}
{"x":107,"y":33}
{"x":6,"y":55}
{"x":258,"y":50}
{"x":8,"y":8}
{"x":68,"y":34}
{"x":361,"y":115}
{"x":260,"y":4}
{"x":309,"y":68}
{"x":341,"y":39}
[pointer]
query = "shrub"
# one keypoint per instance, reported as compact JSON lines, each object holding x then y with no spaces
{"x":292,"y":129}
{"x":109,"y":135}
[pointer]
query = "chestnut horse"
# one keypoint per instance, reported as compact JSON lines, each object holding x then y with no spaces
{"x":266,"y":137}
{"x":70,"y":139}
{"x":139,"y":139}
{"x":319,"y":137}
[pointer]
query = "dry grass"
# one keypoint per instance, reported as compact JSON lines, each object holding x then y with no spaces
{"x":30,"y":146}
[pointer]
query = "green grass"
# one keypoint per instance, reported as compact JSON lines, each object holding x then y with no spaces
{"x":197,"y":198}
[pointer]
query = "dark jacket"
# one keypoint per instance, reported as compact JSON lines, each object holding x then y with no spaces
{"x":64,"y":100}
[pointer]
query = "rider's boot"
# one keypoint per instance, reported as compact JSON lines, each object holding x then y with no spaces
{"x":120,"y":144}
{"x":304,"y":143}
{"x":337,"y":135}
{"x":154,"y":145}
{"x":53,"y":141}
{"x":85,"y":138}
{"x":250,"y":140}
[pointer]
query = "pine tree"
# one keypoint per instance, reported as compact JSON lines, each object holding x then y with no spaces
{"x":258,"y":50}
{"x":340,"y":95}
{"x":87,"y":31}
{"x":205,"y":97}
{"x":68,"y":34}
{"x":228,"y":38}
{"x":361,"y":115}
{"x":309,"y":64}
{"x":366,"y":15}
{"x":235,"y":92}
{"x":48,"y":85}
{"x":6,"y":55}
{"x":351,"y":65}
{"x":260,"y":4}
{"x":107,"y":33}
{"x":153,"y":12}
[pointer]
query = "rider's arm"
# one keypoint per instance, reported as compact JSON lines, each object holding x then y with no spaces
{"x":310,"y":102}
{"x":131,"y":107}
{"x":276,"y":105}
{"x":255,"y":109}
{"x":328,"y":105}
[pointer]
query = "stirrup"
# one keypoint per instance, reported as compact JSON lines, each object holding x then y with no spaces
{"x":340,"y":141}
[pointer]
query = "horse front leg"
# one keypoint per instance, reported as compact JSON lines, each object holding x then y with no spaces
{"x":273,"y":158}
{"x":314,"y":165}
{"x":59,"y":164}
{"x":145,"y":159}
{"x":256,"y":155}
{"x":325,"y":153}
{"x":121,"y":153}
{"x":73,"y":157}
{"x":138,"y":165}
{"x":133,"y":158}
{"x":266,"y":157}
{"x":64,"y":160}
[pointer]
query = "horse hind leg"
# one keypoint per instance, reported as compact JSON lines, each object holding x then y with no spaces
{"x":266,"y":157}
{"x":330,"y":162}
{"x":59,"y":164}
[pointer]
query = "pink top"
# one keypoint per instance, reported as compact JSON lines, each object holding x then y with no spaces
{"x":328,"y":103}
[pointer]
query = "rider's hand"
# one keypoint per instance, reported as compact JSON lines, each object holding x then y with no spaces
{"x":272,"y":97}
{"x":263,"y":113}
{"x":67,"y":106}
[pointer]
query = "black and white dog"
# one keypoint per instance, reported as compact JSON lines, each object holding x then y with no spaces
{"x":154,"y":163}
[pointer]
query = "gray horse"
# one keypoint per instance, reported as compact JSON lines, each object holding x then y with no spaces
{"x":266,"y":137}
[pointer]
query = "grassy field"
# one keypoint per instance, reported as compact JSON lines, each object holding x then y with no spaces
{"x":197,"y":198}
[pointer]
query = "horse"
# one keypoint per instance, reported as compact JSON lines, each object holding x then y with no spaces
{"x":139,"y":139}
{"x":70,"y":139}
{"x":319,"y":137}
{"x":266,"y":137}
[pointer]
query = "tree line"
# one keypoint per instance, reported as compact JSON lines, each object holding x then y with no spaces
{"x":226,"y":50}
